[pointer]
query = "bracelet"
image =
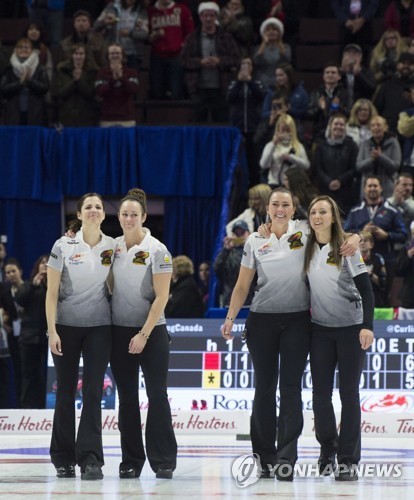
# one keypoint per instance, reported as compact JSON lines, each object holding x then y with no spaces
{"x":143,"y":334}
{"x":231,"y":319}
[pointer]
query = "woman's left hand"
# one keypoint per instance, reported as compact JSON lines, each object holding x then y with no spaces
{"x":350,"y":245}
{"x":366,"y":337}
{"x":137,"y":344}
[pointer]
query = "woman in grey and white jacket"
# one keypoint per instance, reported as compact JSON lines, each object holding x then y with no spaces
{"x":283,"y":152}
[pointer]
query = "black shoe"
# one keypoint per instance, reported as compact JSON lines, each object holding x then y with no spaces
{"x":128,"y":472}
{"x":347,"y":471}
{"x":326,"y":464}
{"x":266,"y":473}
{"x":284,"y":470}
{"x":65,"y":471}
{"x":92,"y":472}
{"x":164,"y":474}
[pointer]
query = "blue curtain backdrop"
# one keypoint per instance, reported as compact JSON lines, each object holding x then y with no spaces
{"x":191,"y":167}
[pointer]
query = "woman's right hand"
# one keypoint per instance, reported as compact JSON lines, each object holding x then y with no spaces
{"x":55,"y":344}
{"x":264,"y":230}
{"x":226,"y":329}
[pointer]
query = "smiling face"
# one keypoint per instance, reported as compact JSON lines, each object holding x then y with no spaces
{"x":281,"y":77}
{"x":131,"y":217}
{"x":23,"y":50}
{"x":338,"y":128}
{"x":280,"y":209}
{"x":378,"y":127}
{"x":321,"y":217}
{"x":92,"y":211}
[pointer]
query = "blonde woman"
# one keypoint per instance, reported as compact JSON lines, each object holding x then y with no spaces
{"x":385,"y":54}
{"x":270,"y":52}
{"x":359,"y":123}
{"x":283,"y":151}
{"x":255,"y":214}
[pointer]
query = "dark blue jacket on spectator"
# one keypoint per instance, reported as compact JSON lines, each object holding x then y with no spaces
{"x":298,"y":102}
{"x":51,"y":4}
{"x":387,"y":217}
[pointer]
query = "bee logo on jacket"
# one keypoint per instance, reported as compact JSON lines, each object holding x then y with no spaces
{"x":106,"y":256}
{"x":295,"y":241}
{"x":140,"y":257}
{"x":331,"y":259}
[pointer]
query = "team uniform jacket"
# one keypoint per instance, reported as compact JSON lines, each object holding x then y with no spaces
{"x":133,"y":270}
{"x":83,"y":298}
{"x":281,"y":284}
{"x":335,"y":299}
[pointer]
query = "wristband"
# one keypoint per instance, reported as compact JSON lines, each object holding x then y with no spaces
{"x":143,"y":334}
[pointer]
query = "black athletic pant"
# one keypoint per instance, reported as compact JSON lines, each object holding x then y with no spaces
{"x":331,"y":348}
{"x":279,"y":346}
{"x":95,"y":345}
{"x":160,"y":440}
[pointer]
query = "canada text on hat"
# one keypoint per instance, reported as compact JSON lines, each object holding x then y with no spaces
{"x":240,"y":224}
{"x":208,"y":6}
{"x":353,"y":46}
{"x":269,"y":22}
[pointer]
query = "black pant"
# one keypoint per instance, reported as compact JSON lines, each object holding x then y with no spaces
{"x":332,"y":347}
{"x":213,"y":100}
{"x":34,"y":370}
{"x":95,"y":345}
{"x":160,"y":440}
{"x":278,"y":344}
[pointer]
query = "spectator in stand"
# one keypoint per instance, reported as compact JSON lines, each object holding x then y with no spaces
{"x":74,"y":89}
{"x":14,"y":280}
{"x":255,"y":214}
{"x":266,"y":128}
{"x":406,"y":129}
{"x":359,"y":123}
{"x":399,"y":16}
{"x":116,"y":86}
{"x":35,"y":35}
{"x":330,"y":98}
{"x":234,"y":21}
{"x":23,"y":87}
{"x":33,"y":343}
{"x":126,"y":23}
{"x":49,"y":15}
{"x":245,"y":96}
{"x":270,"y":52}
{"x":375,"y":266}
{"x":380,"y":155}
{"x":83,"y":33}
{"x":385,"y":54}
{"x":283,"y":152}
{"x":390,"y":99}
{"x":169,"y":23}
{"x":4,"y":357}
{"x":210,"y":58}
{"x":185,"y":298}
{"x":404,"y":268}
{"x":377,"y":216}
{"x":3,"y":254}
{"x":303,"y":191}
{"x":402,"y":197}
{"x":358,"y":80}
{"x":227,"y":263}
{"x":204,"y":281}
{"x":297,"y":95}
{"x":354,"y":18}
{"x":334,"y":164}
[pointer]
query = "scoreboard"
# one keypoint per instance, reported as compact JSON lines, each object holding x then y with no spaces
{"x":202,"y":358}
{"x":208,"y":372}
